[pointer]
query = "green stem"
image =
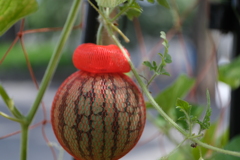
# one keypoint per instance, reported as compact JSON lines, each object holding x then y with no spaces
{"x":48,"y":76}
{"x":151,"y":79}
{"x":10,"y":118}
{"x":178,"y":146}
{"x":24,"y":141}
{"x":107,"y":21}
{"x":55,"y":58}
{"x":10,"y":104}
{"x":122,"y":11}
{"x":144,"y":88}
{"x":120,"y":32}
{"x":233,"y":153}
{"x":159,"y":109}
{"x":99,"y":34}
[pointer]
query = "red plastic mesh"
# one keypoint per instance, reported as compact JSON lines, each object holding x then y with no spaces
{"x":98,"y":116}
{"x":100,"y":59}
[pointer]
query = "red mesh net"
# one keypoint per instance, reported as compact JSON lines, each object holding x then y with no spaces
{"x":100,"y":59}
{"x":98,"y":116}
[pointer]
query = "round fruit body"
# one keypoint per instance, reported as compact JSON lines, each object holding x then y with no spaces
{"x":98,"y":116}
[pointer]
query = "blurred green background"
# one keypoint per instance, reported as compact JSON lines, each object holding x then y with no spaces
{"x":40,"y":46}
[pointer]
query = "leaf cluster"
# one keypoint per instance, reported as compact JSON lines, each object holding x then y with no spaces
{"x":165,"y":59}
{"x":132,"y":9}
{"x":186,"y":108}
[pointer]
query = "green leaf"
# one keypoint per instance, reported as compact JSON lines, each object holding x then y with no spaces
{"x":148,"y":64}
{"x":230,"y":74}
{"x":109,"y":3}
{"x":196,"y":112}
{"x":205,"y":124}
{"x":206,"y":119}
{"x":160,"y":54}
{"x":13,"y":10}
{"x":164,"y":3}
{"x":151,"y":1}
{"x":166,"y":73}
{"x":163,"y":35}
{"x":152,"y":66}
{"x":184,"y":106}
{"x":168,"y":58}
{"x":233,"y":145}
{"x":134,"y":10}
{"x":182,"y":118}
{"x":168,"y":97}
{"x":165,"y":44}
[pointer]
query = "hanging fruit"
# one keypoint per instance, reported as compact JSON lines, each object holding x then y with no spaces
{"x":98,"y":113}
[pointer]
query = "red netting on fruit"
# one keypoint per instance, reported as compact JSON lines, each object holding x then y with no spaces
{"x":100,"y":59}
{"x":98,"y":115}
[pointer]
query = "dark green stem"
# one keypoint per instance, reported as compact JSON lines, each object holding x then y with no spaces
{"x":48,"y":76}
{"x":54,"y":59}
{"x":99,"y":34}
{"x":24,"y":141}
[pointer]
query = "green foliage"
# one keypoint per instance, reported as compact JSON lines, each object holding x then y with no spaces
{"x":164,"y":3}
{"x":188,"y":153}
{"x":165,"y":58}
{"x":109,"y":3}
{"x":230,"y":74}
{"x":233,"y":145}
{"x":13,"y":10}
{"x":184,"y":107}
{"x":205,"y":124}
{"x":161,"y":2}
{"x":210,"y":137}
{"x":191,"y":119}
{"x":168,"y":97}
{"x":132,"y":9}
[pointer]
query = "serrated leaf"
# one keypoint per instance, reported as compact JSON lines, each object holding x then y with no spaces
{"x":183,"y":105}
{"x":13,"y":10}
{"x":164,"y":3}
{"x":229,"y":73}
{"x":168,"y":58}
{"x":133,"y":10}
{"x":110,"y":3}
{"x":196,"y":112}
{"x":149,"y":64}
{"x":206,"y":119}
{"x":193,"y":118}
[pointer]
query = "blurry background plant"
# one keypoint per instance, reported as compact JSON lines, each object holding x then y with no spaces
{"x":193,"y":47}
